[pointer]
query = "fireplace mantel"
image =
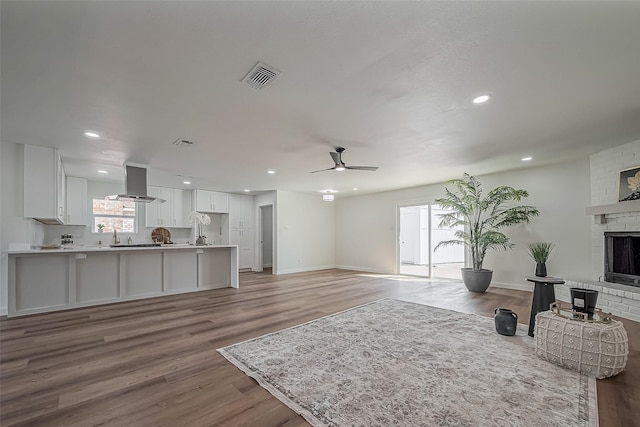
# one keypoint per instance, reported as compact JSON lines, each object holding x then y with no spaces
{"x":601,"y":211}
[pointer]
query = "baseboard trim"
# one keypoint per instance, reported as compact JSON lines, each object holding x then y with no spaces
{"x":305,"y":269}
{"x":363,"y":269}
{"x":515,"y":286}
{"x":4,"y":311}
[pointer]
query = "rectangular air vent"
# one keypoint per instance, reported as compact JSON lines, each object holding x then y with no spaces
{"x":261,"y":76}
{"x":181,"y":142}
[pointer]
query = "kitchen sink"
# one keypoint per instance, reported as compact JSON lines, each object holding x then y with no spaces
{"x":135,"y":245}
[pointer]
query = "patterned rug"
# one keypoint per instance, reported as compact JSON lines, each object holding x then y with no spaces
{"x":396,"y":363}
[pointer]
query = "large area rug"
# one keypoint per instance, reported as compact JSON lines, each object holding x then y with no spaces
{"x":396,"y":363}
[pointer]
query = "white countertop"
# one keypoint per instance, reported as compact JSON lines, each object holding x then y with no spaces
{"x":107,"y":248}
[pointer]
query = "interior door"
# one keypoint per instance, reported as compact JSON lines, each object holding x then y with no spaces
{"x":409,"y":235}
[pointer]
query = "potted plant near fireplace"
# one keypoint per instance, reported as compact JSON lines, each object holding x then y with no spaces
{"x":540,"y":252}
{"x":482,"y":217}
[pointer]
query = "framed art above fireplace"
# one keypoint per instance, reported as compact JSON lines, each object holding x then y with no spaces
{"x":629,"y":184}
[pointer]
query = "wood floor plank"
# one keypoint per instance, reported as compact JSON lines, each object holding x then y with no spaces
{"x":154,"y":361}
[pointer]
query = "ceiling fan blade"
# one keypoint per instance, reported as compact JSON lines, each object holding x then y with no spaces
{"x":336,"y":157}
{"x":363,"y":168}
{"x":324,"y":170}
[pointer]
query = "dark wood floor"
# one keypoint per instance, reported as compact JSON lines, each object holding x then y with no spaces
{"x":154,"y":362}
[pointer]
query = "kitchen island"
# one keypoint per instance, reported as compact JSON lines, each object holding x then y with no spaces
{"x":42,"y":280}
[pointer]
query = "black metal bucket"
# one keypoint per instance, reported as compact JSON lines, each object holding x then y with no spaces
{"x":584,"y":301}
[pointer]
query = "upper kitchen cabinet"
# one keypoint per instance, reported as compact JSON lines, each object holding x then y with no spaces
{"x":240,"y":211}
{"x":158,"y":212}
{"x":173,"y":212}
{"x":44,"y":185}
{"x":211,"y":201}
{"x":76,"y":201}
{"x":181,"y":207}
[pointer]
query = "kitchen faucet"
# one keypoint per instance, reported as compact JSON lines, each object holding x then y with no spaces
{"x":115,"y":237}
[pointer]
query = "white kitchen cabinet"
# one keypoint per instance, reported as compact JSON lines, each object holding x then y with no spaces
{"x":61,"y":185}
{"x":211,"y":201}
{"x":241,"y":228}
{"x":244,"y":240}
{"x":174,"y":212}
{"x":240,"y":211}
{"x":181,"y":207}
{"x":44,"y":181}
{"x":159,"y":213}
{"x":76,"y":201}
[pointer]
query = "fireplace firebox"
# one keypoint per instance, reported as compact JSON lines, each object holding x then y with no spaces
{"x":622,"y":257}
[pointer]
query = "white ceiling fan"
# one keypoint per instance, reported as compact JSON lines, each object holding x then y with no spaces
{"x":341,"y":166}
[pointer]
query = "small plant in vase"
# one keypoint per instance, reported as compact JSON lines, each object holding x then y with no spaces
{"x":100,"y":228}
{"x":199,"y":219}
{"x":539,"y":252}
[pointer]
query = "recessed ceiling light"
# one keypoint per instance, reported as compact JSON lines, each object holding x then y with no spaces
{"x":101,"y":171}
{"x":355,"y":188}
{"x":246,"y":190}
{"x":526,"y":159}
{"x":91,"y":134}
{"x":481,"y":99}
{"x":327,"y":197}
{"x":271,"y":171}
{"x":186,"y":182}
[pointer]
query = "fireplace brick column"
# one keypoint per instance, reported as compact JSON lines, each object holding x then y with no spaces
{"x":605,"y":167}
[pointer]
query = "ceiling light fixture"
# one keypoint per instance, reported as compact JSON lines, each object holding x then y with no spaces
{"x":340,"y":168}
{"x":101,"y":171}
{"x":327,"y":197}
{"x":355,"y":188}
{"x":91,"y":134}
{"x":271,"y":172}
{"x":186,"y":182}
{"x":246,"y":190}
{"x":481,"y":99}
{"x":526,"y":159}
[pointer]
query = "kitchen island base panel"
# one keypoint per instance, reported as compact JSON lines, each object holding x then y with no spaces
{"x":142,"y":273}
{"x":42,"y":281}
{"x":181,"y":271}
{"x":96,"y":276}
{"x":45,"y":282}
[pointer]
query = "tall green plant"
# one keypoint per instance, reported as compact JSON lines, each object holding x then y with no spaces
{"x":482,"y":217}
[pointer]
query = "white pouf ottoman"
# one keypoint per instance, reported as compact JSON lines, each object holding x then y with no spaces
{"x":593,"y":348}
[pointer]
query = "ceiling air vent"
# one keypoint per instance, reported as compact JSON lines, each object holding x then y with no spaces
{"x":261,"y":76}
{"x":183,"y":142}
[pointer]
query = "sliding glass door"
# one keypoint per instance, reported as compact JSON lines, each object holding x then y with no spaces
{"x":419,"y":234}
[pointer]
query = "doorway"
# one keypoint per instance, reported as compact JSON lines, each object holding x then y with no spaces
{"x":265,"y":242}
{"x":419,"y":234}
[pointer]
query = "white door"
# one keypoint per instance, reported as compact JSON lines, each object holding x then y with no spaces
{"x":409,"y":235}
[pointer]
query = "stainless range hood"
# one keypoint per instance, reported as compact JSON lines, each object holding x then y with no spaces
{"x":135,"y":186}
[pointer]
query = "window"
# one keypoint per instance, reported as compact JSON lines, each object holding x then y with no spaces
{"x":115,"y":215}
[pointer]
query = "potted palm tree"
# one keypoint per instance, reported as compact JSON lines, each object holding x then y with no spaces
{"x":482,"y":217}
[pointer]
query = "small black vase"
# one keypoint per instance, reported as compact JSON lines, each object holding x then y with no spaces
{"x":506,"y":321}
{"x":541,"y":269}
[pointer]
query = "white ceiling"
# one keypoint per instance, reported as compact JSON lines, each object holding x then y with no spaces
{"x":390,"y":81}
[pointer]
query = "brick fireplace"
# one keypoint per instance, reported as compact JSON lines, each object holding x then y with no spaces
{"x":610,"y":216}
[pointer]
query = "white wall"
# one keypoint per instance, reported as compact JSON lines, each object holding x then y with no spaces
{"x":366,"y":232}
{"x":305,"y":232}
